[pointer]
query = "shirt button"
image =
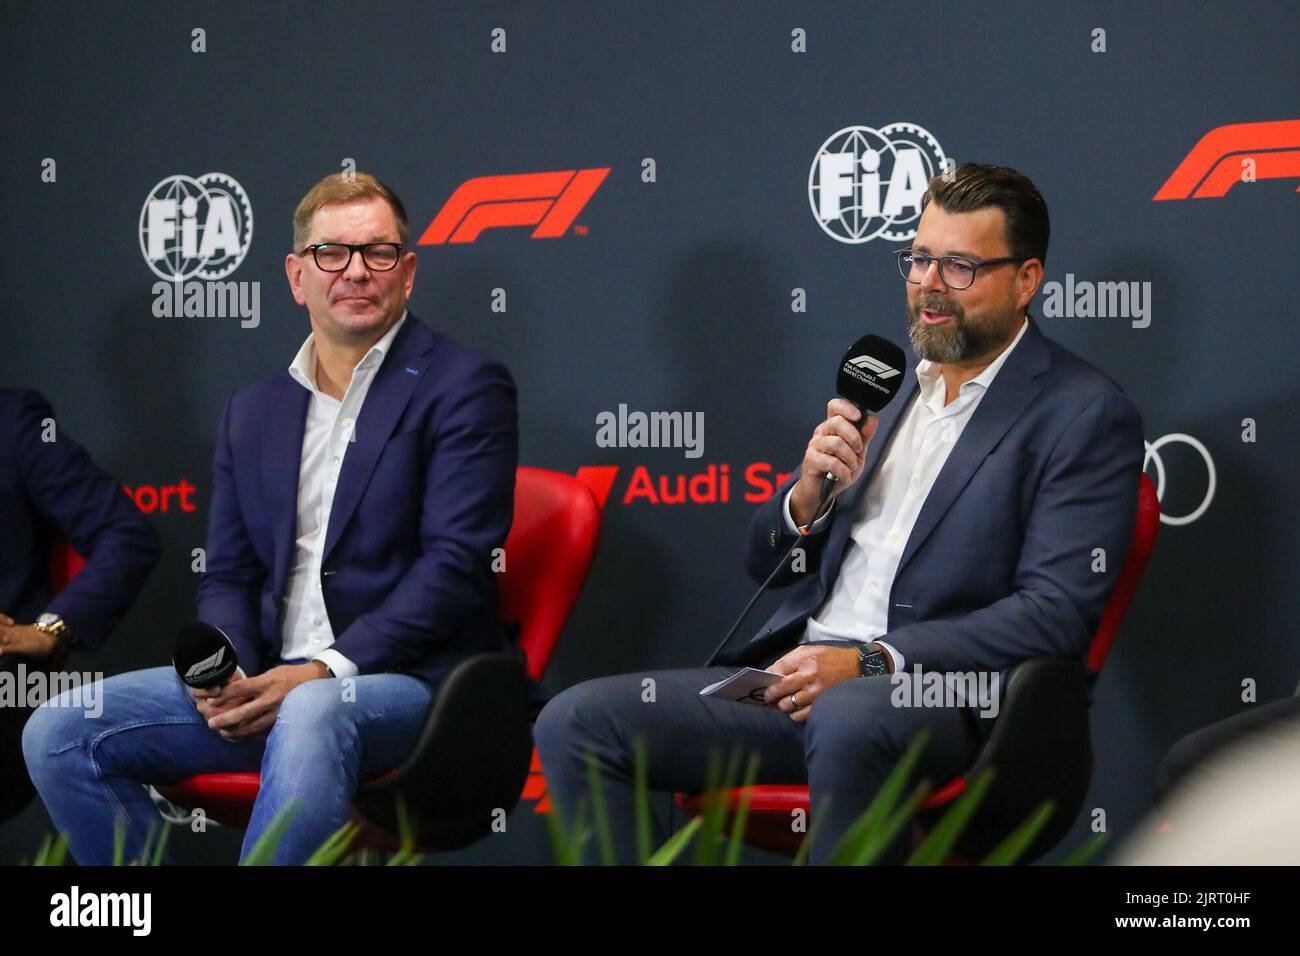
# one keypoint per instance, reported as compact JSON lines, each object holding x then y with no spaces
{"x":315,"y":640}
{"x":316,"y":623}
{"x":874,"y":585}
{"x":336,"y":459}
{"x":346,"y":423}
{"x":893,"y":538}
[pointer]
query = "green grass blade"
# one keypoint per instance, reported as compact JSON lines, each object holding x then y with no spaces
{"x":805,"y":848}
{"x":335,"y":847}
{"x":676,"y":843}
{"x":53,"y":851}
{"x":881,"y":837}
{"x":938,"y":843}
{"x":119,"y":841}
{"x":741,"y":814}
{"x":716,"y":809}
{"x":881,"y":809}
{"x":1086,"y":850}
{"x":263,"y":850}
{"x":600,"y":812}
{"x":641,"y":795}
{"x":1017,"y":842}
{"x":406,"y":854}
{"x":161,"y":846}
{"x":567,"y":837}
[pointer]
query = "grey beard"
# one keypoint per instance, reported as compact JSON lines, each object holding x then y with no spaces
{"x":960,"y":343}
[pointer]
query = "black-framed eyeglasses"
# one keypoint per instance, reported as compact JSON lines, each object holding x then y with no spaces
{"x":337,"y":256}
{"x":957,"y":272}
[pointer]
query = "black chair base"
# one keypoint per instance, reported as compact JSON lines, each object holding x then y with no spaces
{"x":470,"y":764}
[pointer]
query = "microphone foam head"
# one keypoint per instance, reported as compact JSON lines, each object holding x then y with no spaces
{"x":204,"y":657}
{"x":871,"y":373}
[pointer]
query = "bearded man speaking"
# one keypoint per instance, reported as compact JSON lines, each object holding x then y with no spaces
{"x":960,"y":540}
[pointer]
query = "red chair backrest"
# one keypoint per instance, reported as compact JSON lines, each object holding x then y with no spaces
{"x":1144,"y":539}
{"x":547,"y":554}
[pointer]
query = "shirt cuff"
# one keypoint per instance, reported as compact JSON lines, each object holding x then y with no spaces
{"x":899,"y":661}
{"x":791,"y":527}
{"x":336,"y":662}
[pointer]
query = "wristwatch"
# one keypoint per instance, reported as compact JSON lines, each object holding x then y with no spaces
{"x":871,"y":661}
{"x":56,"y":627}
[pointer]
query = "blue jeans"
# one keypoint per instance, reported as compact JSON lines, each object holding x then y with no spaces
{"x":92,"y":771}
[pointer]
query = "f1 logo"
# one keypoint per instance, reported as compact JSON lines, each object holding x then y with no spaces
{"x":549,"y":201}
{"x":1214,"y":164}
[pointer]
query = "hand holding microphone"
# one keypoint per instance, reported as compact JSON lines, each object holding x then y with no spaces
{"x":205,"y":660}
{"x":870,"y":374}
{"x":838,"y":447}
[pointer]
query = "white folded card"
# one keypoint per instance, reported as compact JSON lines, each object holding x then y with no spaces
{"x":746,"y":686}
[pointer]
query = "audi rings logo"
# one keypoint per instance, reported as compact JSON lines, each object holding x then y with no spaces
{"x":1153,"y":457}
{"x":867,"y":184}
{"x":196,"y":227}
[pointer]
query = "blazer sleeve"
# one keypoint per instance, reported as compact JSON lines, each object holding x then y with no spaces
{"x":770,"y":539}
{"x":230,"y":590}
{"x":89,"y":507}
{"x":466,"y":513}
{"x":1086,"y":499}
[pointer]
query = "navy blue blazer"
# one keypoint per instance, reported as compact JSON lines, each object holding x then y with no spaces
{"x":426,"y":492}
{"x":54,"y":487}
{"x":998,"y":567}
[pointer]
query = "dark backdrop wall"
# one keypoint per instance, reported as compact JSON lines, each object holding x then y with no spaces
{"x":675,"y":287}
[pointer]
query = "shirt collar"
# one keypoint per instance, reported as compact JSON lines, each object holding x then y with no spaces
{"x":303,"y":366}
{"x":927,"y":372}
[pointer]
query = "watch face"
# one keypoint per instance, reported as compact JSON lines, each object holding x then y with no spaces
{"x":47,"y":619}
{"x":872,"y":663}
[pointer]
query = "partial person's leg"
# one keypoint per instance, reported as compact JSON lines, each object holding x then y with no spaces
{"x":92,"y":750}
{"x":1199,"y":746}
{"x":328,"y":737}
{"x":679,"y":728}
{"x":856,"y":736}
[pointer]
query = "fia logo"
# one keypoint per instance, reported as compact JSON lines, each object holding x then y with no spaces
{"x":867,"y":184}
{"x":196,"y":227}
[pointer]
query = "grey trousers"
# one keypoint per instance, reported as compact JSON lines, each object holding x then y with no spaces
{"x":852,"y":739}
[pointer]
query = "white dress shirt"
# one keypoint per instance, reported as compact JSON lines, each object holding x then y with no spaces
{"x":858,"y":606}
{"x":326,"y":437}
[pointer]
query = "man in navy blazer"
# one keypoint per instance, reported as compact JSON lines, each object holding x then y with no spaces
{"x":50,"y":488}
{"x":358,"y":502}
{"x":979,"y":521}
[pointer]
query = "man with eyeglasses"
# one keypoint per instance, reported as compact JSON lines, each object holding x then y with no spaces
{"x":358,"y":497}
{"x":979,"y":521}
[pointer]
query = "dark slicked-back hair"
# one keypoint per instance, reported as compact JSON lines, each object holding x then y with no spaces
{"x":975,"y":186}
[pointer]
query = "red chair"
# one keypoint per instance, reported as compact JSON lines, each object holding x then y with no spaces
{"x":477,"y":743}
{"x":1040,"y":744}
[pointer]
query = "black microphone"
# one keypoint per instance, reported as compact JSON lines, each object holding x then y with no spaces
{"x":203,"y":655}
{"x":871,"y":373}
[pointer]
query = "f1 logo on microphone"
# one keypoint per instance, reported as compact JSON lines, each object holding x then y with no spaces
{"x":549,"y":201}
{"x":1215,"y":163}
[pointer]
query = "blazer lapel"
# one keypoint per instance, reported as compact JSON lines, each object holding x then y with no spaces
{"x":1012,"y":390}
{"x":388,"y":397}
{"x":281,"y":459}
